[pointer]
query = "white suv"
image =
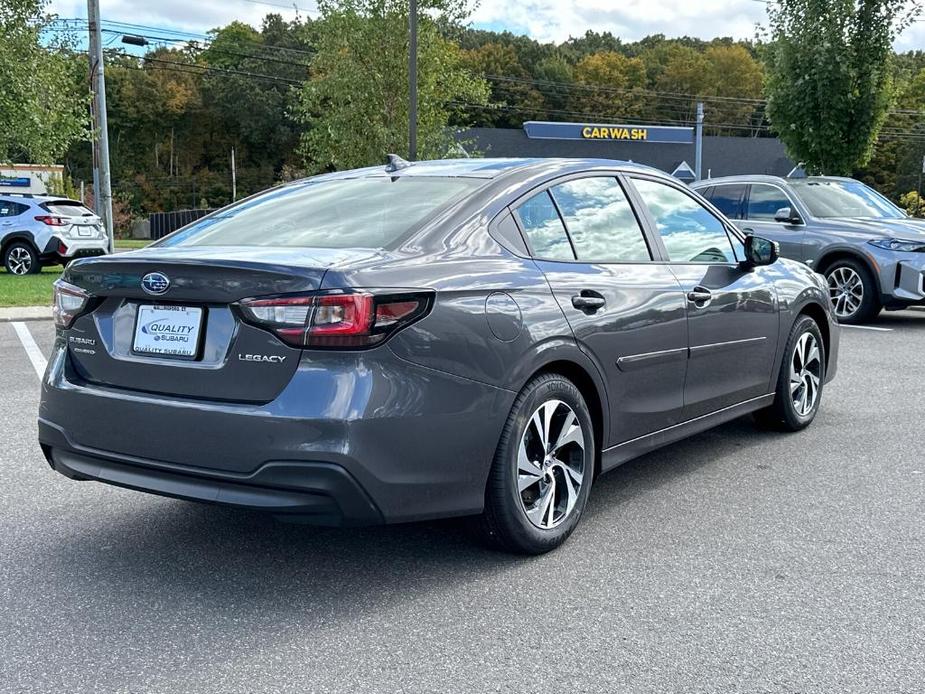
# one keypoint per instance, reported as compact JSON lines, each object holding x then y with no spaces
{"x":39,"y":230}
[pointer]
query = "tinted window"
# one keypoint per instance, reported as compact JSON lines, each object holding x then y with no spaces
{"x":344,"y":213}
{"x":544,"y":230}
{"x":600,"y":221}
{"x":11,"y":209}
{"x":689,"y":231}
{"x":765,"y":201}
{"x":67,"y":208}
{"x":728,"y":200}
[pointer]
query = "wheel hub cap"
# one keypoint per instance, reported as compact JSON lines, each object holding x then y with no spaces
{"x":551,"y":464}
{"x":805,"y":374}
{"x":846,"y":291}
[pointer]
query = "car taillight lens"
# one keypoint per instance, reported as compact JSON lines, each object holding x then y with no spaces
{"x":336,"y":320}
{"x":70,"y":302}
{"x":52,"y":221}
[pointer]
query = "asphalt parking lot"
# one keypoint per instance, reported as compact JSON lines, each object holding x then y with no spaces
{"x":739,"y":560}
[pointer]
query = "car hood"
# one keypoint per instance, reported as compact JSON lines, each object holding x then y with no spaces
{"x":910,"y":228}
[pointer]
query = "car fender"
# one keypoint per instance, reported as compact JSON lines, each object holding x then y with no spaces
{"x":553,"y":354}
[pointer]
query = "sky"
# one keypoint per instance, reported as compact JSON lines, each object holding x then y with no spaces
{"x":544,"y":20}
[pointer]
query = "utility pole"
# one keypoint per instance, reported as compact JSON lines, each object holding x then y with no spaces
{"x":698,"y":142}
{"x":102,"y":184}
{"x":234,"y":178}
{"x":413,"y":80}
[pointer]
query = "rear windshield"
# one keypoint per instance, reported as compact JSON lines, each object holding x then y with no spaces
{"x":67,"y":208}
{"x":343,"y":213}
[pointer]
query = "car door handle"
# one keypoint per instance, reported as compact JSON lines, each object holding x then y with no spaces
{"x":699,"y":296}
{"x":588,"y":300}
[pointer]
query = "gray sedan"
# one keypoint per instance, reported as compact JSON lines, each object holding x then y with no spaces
{"x":871,"y":252}
{"x":476,"y":337}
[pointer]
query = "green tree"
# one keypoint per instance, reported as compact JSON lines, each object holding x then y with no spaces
{"x":612,"y":86}
{"x":513,"y":97}
{"x":830,"y":81}
{"x":356,"y":100}
{"x":42,"y":108}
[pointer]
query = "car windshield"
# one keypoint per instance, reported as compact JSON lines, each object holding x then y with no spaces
{"x":373,"y":212}
{"x":845,"y":199}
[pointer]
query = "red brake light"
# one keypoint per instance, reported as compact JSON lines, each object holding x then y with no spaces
{"x":332,"y":320}
{"x":51,"y":220}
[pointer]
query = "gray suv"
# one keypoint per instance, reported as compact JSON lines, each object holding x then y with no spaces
{"x":871,"y":252}
{"x":39,"y":230}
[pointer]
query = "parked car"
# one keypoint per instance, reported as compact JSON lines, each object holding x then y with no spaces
{"x":426,"y":340}
{"x":871,"y":252}
{"x":40,"y":230}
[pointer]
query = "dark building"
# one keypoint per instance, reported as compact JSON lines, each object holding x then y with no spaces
{"x":722,"y":156}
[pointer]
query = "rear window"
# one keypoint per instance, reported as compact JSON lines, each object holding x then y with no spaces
{"x":343,"y":213}
{"x":67,"y":208}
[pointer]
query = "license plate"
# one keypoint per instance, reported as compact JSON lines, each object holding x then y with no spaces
{"x":171,"y":331}
{"x":85,"y":231}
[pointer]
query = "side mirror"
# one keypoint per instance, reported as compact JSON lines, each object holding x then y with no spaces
{"x":759,"y":251}
{"x":785,"y":215}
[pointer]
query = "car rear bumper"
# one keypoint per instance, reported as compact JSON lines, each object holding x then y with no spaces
{"x":59,"y":250}
{"x":319,"y":493}
{"x":369,"y":438}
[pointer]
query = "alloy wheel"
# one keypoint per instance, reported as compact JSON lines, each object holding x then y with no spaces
{"x":551,"y":464}
{"x":846,"y":291}
{"x":19,"y":261}
{"x":805,"y":374}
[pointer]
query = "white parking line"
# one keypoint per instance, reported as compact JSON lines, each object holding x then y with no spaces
{"x":32,"y":350}
{"x":868,"y":327}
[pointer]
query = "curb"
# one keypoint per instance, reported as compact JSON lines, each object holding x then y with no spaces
{"x":25,"y":313}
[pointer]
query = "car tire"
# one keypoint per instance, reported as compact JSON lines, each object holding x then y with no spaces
{"x":800,"y":382}
{"x":543,"y":468}
{"x":845,"y":278}
{"x":20,"y":258}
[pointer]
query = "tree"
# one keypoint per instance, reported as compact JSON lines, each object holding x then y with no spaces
{"x":612,"y":85}
{"x":514,"y":98}
{"x":42,"y":108}
{"x":356,"y":100}
{"x":830,"y":85}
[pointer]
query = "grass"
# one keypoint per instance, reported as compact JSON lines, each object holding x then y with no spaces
{"x":131,"y":244}
{"x":28,"y":290}
{"x":35,"y":290}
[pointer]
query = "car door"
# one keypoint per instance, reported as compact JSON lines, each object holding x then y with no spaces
{"x":732,"y":311}
{"x":764,"y":200}
{"x":626,"y":311}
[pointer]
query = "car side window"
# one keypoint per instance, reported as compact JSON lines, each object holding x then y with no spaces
{"x":728,"y":199}
{"x":690,"y":232}
{"x":600,"y":221}
{"x":764,"y":202}
{"x":543,"y":227}
{"x":11,"y":209}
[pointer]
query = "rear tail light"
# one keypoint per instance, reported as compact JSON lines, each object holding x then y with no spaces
{"x":343,"y":319}
{"x":70,"y":302}
{"x":52,"y":221}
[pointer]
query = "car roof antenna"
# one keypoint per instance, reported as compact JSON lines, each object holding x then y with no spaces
{"x":396,"y":163}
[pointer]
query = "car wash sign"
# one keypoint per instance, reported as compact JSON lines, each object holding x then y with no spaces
{"x":548,"y":130}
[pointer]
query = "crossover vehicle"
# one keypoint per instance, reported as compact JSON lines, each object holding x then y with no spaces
{"x":871,"y":252}
{"x":40,"y":230}
{"x":446,"y":338}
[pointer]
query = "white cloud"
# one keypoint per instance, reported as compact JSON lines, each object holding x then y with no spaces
{"x":545,"y":20}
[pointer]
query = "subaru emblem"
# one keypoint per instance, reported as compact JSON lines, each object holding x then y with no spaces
{"x":155,"y":283}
